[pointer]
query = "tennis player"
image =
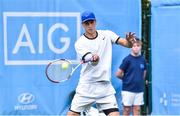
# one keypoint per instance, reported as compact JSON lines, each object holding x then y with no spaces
{"x":94,"y":85}
{"x":132,"y":71}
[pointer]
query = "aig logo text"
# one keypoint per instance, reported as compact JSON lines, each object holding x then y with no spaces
{"x":35,"y":38}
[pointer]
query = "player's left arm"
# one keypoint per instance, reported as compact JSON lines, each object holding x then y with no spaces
{"x":128,"y":41}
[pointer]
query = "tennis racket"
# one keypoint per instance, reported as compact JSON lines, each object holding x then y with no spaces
{"x":61,"y":70}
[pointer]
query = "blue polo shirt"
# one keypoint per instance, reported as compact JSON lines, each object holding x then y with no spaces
{"x":133,"y":68}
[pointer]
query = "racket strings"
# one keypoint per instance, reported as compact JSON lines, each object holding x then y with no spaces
{"x":57,"y":73}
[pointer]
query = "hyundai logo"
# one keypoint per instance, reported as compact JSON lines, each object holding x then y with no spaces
{"x":26,"y":98}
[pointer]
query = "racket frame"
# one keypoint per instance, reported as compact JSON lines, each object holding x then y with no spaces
{"x":72,"y":70}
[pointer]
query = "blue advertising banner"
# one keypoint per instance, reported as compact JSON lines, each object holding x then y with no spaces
{"x":165,"y":41}
{"x":34,"y":32}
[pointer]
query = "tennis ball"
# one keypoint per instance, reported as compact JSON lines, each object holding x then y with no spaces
{"x":64,"y":65}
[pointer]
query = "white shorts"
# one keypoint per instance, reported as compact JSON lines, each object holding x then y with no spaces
{"x":131,"y":98}
{"x":81,"y":103}
{"x":95,"y":90}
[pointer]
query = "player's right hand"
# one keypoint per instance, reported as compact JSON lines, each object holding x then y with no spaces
{"x":95,"y":60}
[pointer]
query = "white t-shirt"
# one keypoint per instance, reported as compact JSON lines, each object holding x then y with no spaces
{"x":101,"y":45}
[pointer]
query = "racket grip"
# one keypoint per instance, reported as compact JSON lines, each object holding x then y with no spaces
{"x":88,"y":60}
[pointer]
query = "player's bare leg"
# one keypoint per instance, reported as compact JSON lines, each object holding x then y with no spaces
{"x":126,"y":110}
{"x":70,"y":113}
{"x":136,"y":110}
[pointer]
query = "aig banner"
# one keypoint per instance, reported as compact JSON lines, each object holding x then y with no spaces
{"x":34,"y":32}
{"x":38,"y":34}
